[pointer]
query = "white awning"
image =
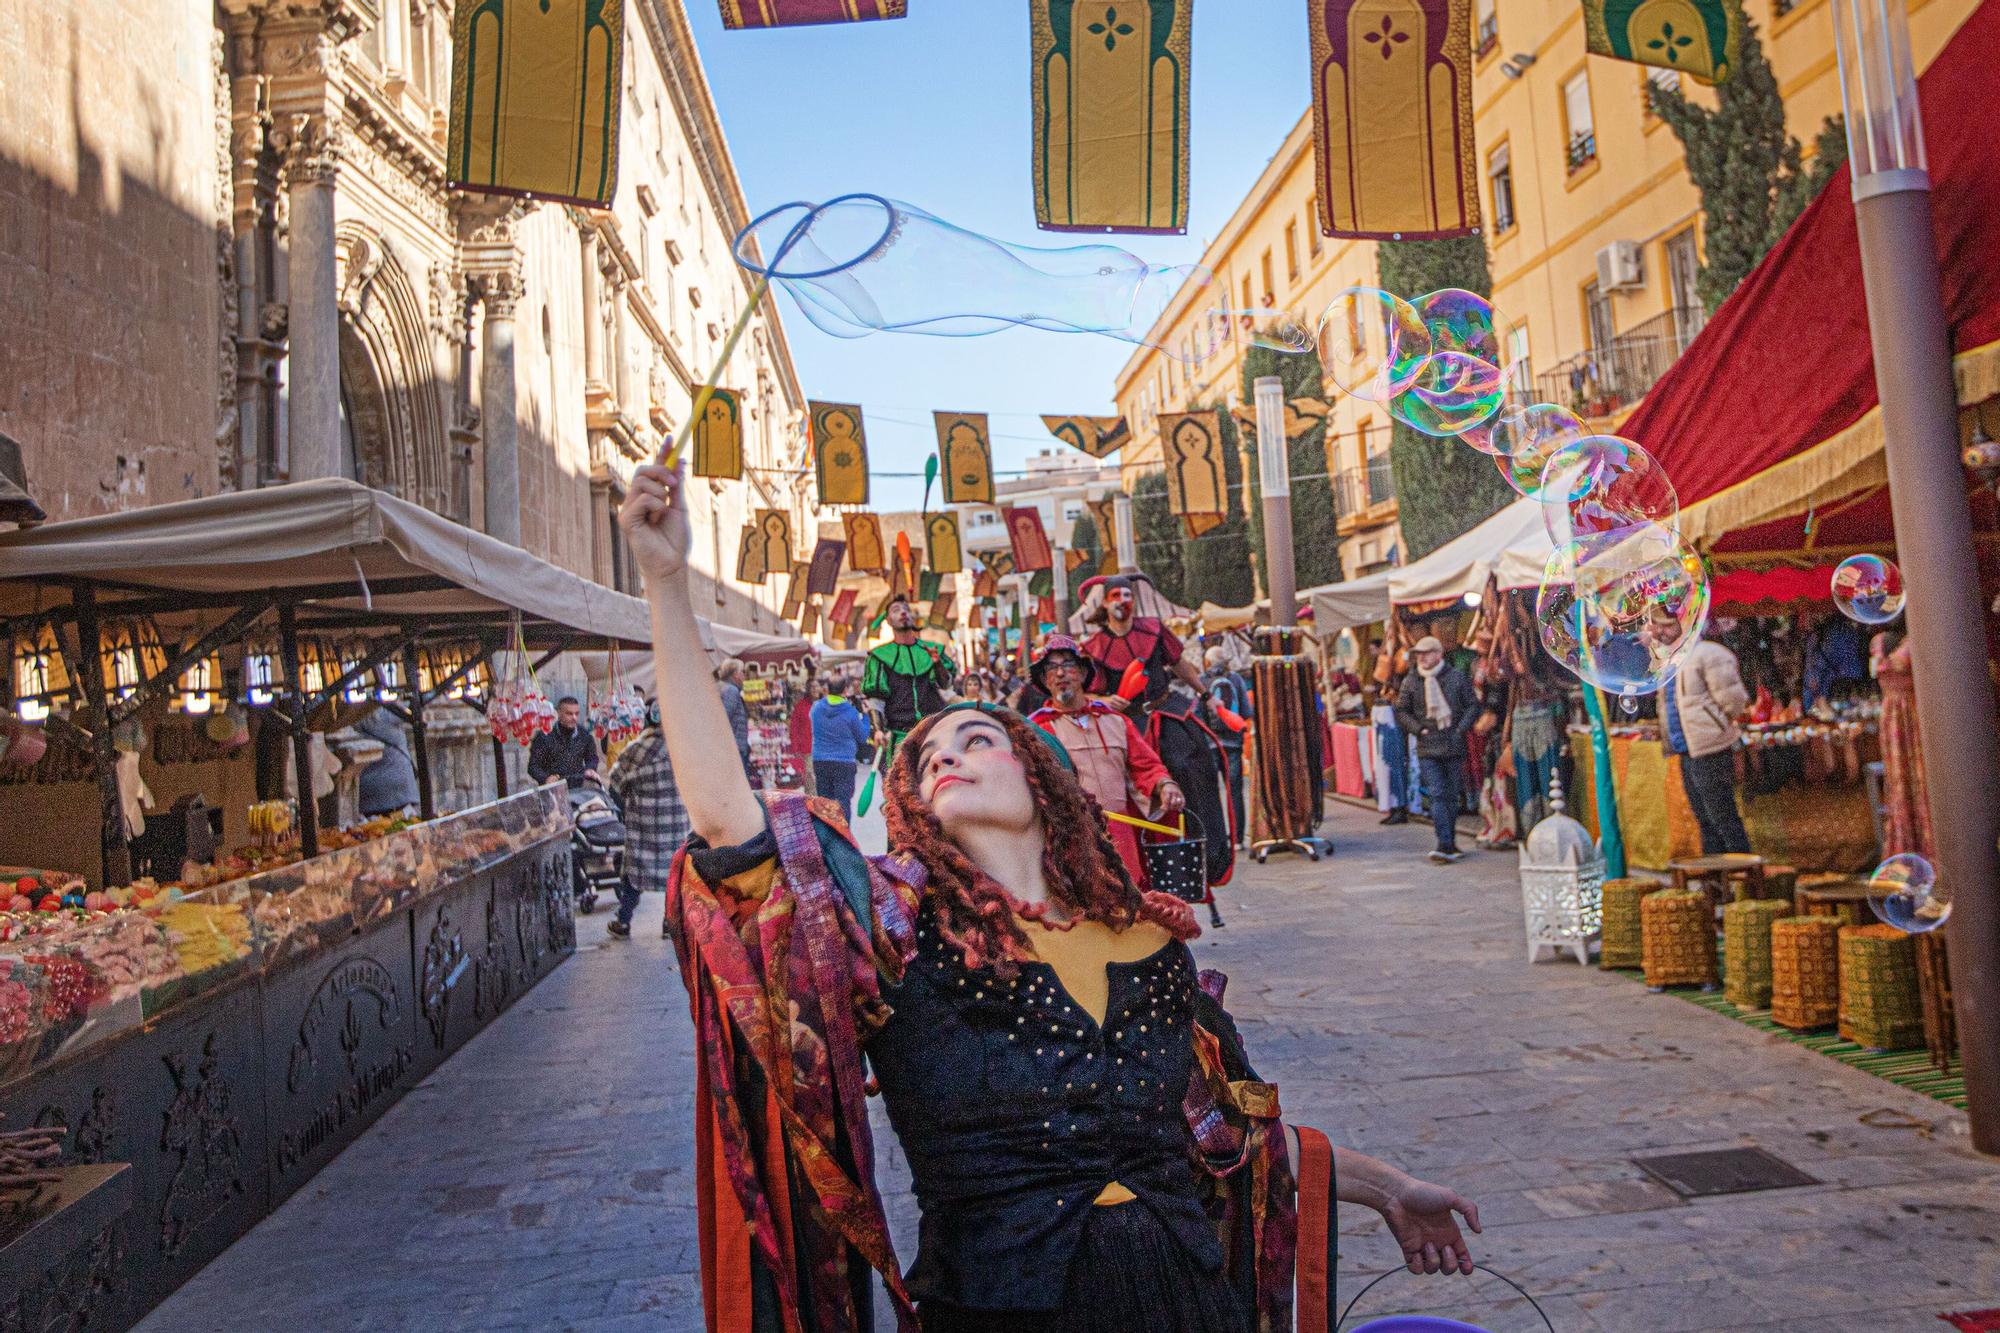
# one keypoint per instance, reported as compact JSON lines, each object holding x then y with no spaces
{"x":1512,"y":545}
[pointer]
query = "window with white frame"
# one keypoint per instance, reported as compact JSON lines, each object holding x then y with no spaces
{"x":1500,"y":178}
{"x":1577,"y":123}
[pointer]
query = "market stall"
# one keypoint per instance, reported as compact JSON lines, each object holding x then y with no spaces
{"x":223,"y":985}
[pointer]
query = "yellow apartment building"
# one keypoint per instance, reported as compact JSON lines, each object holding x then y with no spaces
{"x":1593,"y":232}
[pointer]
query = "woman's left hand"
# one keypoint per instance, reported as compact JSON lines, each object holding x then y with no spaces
{"x":1419,"y":1215}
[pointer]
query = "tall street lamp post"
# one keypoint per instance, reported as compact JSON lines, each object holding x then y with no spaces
{"x":1927,"y":492}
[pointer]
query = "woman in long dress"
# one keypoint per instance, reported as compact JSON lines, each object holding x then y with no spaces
{"x":1089,"y":1146}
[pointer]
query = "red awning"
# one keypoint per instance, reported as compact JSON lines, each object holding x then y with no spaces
{"x":1749,"y":590}
{"x":1786,"y":363}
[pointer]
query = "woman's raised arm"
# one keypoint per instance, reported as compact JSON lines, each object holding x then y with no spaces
{"x":720,"y":804}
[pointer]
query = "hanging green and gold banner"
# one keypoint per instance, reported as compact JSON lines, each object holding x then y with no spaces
{"x":1111,"y":114}
{"x":944,"y":611}
{"x":1697,"y":37}
{"x":809,"y":617}
{"x":941,"y":547}
{"x":1104,"y":513}
{"x":1392,"y":118}
{"x":797,"y":13}
{"x":840,"y":453}
{"x":1192,"y":445}
{"x":1301,"y":415}
{"x":718,"y":436}
{"x":535,"y":90}
{"x":1097,"y":436}
{"x":966,"y":451}
{"x":795,"y":591}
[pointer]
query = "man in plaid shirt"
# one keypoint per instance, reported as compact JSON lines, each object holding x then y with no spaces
{"x":656,"y":823}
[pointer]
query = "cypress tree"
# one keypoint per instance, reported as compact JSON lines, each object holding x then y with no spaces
{"x":1443,"y":487}
{"x":1749,"y":170}
{"x":1157,"y":534}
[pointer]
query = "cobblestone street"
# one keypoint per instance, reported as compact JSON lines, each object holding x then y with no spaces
{"x":540,"y":1179}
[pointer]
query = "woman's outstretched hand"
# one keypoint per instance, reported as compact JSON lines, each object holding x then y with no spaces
{"x":655,"y":519}
{"x":1419,"y":1215}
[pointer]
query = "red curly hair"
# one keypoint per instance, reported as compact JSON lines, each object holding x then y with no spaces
{"x":1086,"y":877}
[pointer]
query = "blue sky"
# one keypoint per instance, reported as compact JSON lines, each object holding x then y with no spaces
{"x":934,"y":109}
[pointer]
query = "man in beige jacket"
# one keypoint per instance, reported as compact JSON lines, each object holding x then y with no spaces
{"x":1698,"y":709}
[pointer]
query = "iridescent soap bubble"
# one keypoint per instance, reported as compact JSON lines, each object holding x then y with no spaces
{"x":1868,"y":589}
{"x":1622,"y":609}
{"x":1371,"y":343}
{"x":1455,"y":392}
{"x":1603,"y":482}
{"x":1903,"y":891}
{"x":1274,"y":329}
{"x":861,"y":264}
{"x":1460,"y":321}
{"x":1525,"y":440}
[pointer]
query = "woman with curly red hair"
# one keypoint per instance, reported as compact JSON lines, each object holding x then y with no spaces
{"x":1088,"y":1145}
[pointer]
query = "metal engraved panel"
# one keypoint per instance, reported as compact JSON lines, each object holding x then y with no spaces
{"x":340,"y":1038}
{"x":450,"y":940}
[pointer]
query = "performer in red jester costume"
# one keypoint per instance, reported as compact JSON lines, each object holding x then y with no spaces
{"x":1088,"y":1143}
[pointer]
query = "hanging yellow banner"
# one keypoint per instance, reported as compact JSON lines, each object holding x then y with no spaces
{"x":795,"y":591}
{"x":1193,"y":448}
{"x":965,"y":451}
{"x":865,"y":552}
{"x":718,"y":436}
{"x":841,"y":453}
{"x":1697,"y":37}
{"x":1301,"y":415}
{"x":1097,"y":436}
{"x":1111,"y":114}
{"x":1392,"y":118}
{"x":766,"y":547}
{"x":535,"y":90}
{"x":941,"y":546}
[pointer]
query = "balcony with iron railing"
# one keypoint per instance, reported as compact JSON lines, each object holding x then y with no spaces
{"x":1605,"y":381}
{"x":1360,"y":492}
{"x":1582,"y":150}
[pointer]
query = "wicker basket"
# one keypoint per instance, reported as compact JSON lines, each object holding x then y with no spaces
{"x":1746,"y":951}
{"x":1879,"y":1002}
{"x":1805,"y":971}
{"x":1620,"y":941}
{"x":1677,"y":938}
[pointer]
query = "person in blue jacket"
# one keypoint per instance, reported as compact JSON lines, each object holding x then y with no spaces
{"x":840,"y":735}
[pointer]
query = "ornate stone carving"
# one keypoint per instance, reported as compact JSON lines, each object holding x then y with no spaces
{"x":499,"y":291}
{"x":357,"y":258}
{"x":204,"y":1139}
{"x":311,"y":146}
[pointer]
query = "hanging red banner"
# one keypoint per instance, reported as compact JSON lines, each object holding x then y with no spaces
{"x":798,"y":13}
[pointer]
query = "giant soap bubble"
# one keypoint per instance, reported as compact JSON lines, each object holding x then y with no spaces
{"x":1868,"y":589}
{"x":1372,"y":344}
{"x":1456,"y":392}
{"x":1622,"y":609}
{"x":1903,"y":891}
{"x":1600,"y":483}
{"x":1524,"y":441}
{"x":861,"y":264}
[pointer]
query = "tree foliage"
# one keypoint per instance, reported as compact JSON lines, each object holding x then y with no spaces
{"x":1315,"y":530}
{"x":1083,"y":537}
{"x":1156,"y":532}
{"x":1750,"y":172}
{"x":1443,"y":487}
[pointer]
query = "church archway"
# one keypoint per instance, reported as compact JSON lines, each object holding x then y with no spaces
{"x":392,"y":400}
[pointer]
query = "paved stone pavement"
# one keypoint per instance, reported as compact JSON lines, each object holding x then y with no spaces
{"x":540,"y":1179}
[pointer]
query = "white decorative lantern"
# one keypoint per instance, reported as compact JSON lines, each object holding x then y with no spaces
{"x":1562,"y":884}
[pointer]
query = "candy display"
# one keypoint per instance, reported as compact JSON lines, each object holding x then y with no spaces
{"x":520,"y":709}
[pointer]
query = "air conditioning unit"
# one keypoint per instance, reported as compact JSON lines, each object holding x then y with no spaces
{"x":1620,"y":265}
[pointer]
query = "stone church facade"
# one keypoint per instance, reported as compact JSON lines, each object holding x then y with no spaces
{"x":228,"y":259}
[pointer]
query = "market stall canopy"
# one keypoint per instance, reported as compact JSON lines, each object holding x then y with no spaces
{"x":1361,"y":601}
{"x":1772,"y":409}
{"x":398,"y":557}
{"x":1512,"y":546}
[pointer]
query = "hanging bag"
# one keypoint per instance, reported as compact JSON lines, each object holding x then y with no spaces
{"x":1178,"y":865}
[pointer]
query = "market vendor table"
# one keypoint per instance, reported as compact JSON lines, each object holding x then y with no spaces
{"x":1813,"y":826}
{"x":233,"y":1044}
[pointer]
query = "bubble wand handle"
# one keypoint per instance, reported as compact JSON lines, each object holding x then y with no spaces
{"x":707,"y":389}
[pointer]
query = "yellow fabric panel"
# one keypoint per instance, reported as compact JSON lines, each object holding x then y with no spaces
{"x":1080,"y":954}
{"x":1196,"y":481}
{"x":535,"y":98}
{"x":965,"y":453}
{"x":840,"y":451}
{"x":941,"y":544}
{"x":865,"y":554}
{"x":718,"y":436}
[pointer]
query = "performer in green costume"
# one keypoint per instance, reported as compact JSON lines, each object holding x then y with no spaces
{"x":906,"y":676}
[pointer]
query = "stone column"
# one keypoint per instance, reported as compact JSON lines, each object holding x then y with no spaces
{"x":593,"y":302}
{"x":312,"y":153}
{"x":498,"y":295}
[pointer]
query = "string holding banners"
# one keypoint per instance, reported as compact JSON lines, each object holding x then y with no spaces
{"x":535,"y":98}
{"x":840,"y":452}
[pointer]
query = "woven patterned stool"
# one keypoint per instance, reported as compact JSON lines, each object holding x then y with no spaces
{"x":1879,"y":1003}
{"x":1805,"y":971}
{"x":1677,"y":938}
{"x":1746,"y":951}
{"x":1620,"y":942}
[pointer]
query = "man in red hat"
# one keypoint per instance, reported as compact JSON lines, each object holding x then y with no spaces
{"x":1113,"y":761}
{"x":1141,"y":666}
